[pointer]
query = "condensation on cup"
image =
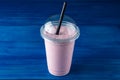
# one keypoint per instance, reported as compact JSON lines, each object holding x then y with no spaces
{"x":59,"y":48}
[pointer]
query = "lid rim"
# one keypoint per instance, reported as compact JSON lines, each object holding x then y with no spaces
{"x":76,"y":36}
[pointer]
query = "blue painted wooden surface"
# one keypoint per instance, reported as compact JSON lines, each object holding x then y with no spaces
{"x":97,"y":51}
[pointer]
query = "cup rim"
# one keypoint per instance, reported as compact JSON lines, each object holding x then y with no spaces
{"x":61,"y":40}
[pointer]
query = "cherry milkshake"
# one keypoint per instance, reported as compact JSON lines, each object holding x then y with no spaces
{"x":59,"y":48}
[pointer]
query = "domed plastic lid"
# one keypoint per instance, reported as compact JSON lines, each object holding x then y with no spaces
{"x":68,"y":31}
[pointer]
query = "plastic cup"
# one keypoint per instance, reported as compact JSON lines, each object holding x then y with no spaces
{"x":59,"y":48}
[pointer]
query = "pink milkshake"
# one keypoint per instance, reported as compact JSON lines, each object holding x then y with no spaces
{"x":59,"y":48}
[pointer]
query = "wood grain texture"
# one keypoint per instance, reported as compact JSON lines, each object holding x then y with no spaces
{"x":97,"y":51}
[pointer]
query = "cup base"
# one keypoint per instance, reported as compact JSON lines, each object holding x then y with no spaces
{"x":58,"y":73}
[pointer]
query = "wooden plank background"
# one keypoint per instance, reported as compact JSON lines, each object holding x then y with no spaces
{"x":97,"y":51}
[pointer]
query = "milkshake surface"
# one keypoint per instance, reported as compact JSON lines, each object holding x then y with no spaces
{"x":67,"y":32}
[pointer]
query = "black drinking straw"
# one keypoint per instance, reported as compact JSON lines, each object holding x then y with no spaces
{"x":61,"y":18}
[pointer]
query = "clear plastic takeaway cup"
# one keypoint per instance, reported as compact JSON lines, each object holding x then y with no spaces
{"x":59,"y":48}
